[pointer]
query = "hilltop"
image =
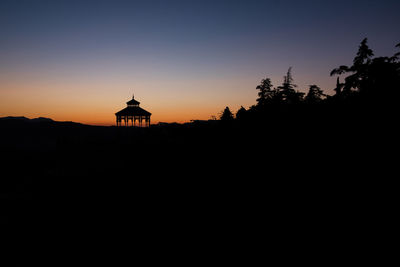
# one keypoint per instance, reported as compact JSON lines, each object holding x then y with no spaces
{"x":289,"y":150}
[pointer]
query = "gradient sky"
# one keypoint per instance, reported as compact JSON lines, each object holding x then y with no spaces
{"x":82,"y":60}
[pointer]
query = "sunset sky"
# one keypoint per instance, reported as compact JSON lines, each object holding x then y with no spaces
{"x":82,"y":60}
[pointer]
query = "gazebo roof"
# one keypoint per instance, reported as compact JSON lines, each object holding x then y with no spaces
{"x":133,"y":102}
{"x":133,"y":111}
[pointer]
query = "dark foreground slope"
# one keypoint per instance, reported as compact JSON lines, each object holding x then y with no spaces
{"x":203,"y":178}
{"x":54,"y":159}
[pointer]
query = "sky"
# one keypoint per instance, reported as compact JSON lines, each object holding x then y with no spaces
{"x":183,"y":60}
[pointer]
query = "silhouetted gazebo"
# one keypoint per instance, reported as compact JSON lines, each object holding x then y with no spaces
{"x":133,"y":113}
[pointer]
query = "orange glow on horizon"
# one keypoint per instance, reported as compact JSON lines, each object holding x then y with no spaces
{"x":95,"y":102}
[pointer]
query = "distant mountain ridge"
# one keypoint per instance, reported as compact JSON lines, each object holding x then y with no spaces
{"x":20,"y":120}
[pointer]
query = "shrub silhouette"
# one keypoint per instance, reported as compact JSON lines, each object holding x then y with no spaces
{"x":226,"y":115}
{"x":314,"y":95}
{"x":241,"y":113}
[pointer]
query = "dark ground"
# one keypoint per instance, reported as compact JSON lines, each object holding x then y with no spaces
{"x":193,"y":180}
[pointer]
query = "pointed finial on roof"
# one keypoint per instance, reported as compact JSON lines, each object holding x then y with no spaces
{"x":133,"y":96}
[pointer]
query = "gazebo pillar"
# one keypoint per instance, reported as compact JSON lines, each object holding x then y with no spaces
{"x":148,"y":121}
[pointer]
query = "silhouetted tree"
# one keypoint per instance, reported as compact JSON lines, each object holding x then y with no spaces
{"x":383,"y":81}
{"x":314,"y":95}
{"x":241,"y":113}
{"x":359,"y":70}
{"x":266,"y":93}
{"x":396,"y":56}
{"x":286,"y":92}
{"x":339,"y":86}
{"x":364,"y":55}
{"x":226,"y":115}
{"x":372,"y":78}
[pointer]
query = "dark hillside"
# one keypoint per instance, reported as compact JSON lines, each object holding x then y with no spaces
{"x":290,"y":165}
